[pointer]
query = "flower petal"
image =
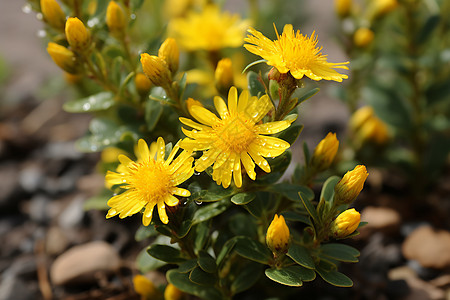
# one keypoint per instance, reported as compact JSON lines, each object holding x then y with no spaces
{"x":232,"y":101}
{"x":221,"y":107}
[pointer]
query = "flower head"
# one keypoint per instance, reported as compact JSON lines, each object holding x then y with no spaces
{"x":170,"y":53}
{"x":209,"y":30}
{"x":149,"y":181}
{"x":277,"y":237}
{"x":349,"y":187}
{"x":295,"y":53}
{"x":346,"y":223}
{"x":235,"y":137}
{"x":115,"y":19}
{"x":343,"y":7}
{"x":63,"y":57}
{"x":325,"y":152}
{"x":224,"y":75}
{"x":156,"y":69}
{"x":363,"y":37}
{"x":77,"y":35}
{"x":53,"y":14}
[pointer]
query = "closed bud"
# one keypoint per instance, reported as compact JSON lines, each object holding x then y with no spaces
{"x":115,"y":19}
{"x":349,"y":187}
{"x":156,"y":70}
{"x":346,"y":223}
{"x":170,"y":52}
{"x":224,"y":75}
{"x":144,"y":287}
{"x":278,"y":237}
{"x":63,"y":57}
{"x":382,"y":7}
{"x":77,"y":35}
{"x":53,"y":14}
{"x":343,"y":7}
{"x":363,"y":37}
{"x":143,"y":84}
{"x":172,"y":293}
{"x":374,"y":130}
{"x":325,"y":152}
{"x":360,"y":117}
{"x":72,"y":78}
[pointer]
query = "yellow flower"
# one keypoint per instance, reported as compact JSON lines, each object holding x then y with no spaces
{"x":235,"y":137}
{"x":382,"y":7}
{"x":144,"y":287}
{"x":77,"y":35}
{"x":156,"y":70}
{"x":363,"y":37}
{"x":374,"y":130}
{"x":360,"y":117}
{"x":278,"y":237}
{"x":295,"y":53}
{"x":349,"y":187}
{"x":115,"y":19}
{"x":143,"y":84}
{"x":209,"y":30}
{"x":149,"y":181}
{"x":172,"y":293}
{"x":170,"y":53}
{"x":346,"y":223}
{"x":224,"y":75}
{"x":53,"y":14}
{"x":325,"y":152}
{"x":343,"y":7}
{"x":63,"y":57}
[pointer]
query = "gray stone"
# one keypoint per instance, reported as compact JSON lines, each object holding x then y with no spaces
{"x":31,"y":177}
{"x":56,"y":241}
{"x":38,"y":209}
{"x":382,"y":219}
{"x":84,"y":263}
{"x":73,"y":214}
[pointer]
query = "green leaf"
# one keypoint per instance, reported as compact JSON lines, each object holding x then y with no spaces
{"x":254,"y":85}
{"x":306,"y":153}
{"x":291,"y":134}
{"x":308,"y":95}
{"x":301,"y":256}
{"x":252,"y":64}
{"x":187,"y":266}
{"x":146,"y":263}
{"x":291,"y":191}
{"x":328,"y":189}
{"x":243,"y":224}
{"x":144,"y":232}
{"x":206,"y":262}
{"x":201,"y":277}
{"x":201,"y":235}
{"x":310,"y":209}
{"x":430,"y":24}
{"x":226,"y":249}
{"x":339,"y":252}
{"x":153,"y":111}
{"x":296,"y":217}
{"x":288,"y":276}
{"x":165,"y":253}
{"x":334,"y":277}
{"x":182,"y":282}
{"x":182,"y":84}
{"x":209,"y":211}
{"x":278,"y":166}
{"x":211,"y":195}
{"x":242,"y":198}
{"x":97,"y":102}
{"x":246,"y":278}
{"x":253,"y":250}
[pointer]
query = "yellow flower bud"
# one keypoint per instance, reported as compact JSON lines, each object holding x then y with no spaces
{"x":190,"y":102}
{"x":63,"y":57}
{"x":343,"y":7}
{"x":346,"y":223}
{"x":53,"y":14}
{"x":170,"y":52}
{"x":374,"y":130}
{"x":382,"y":7}
{"x":224,"y":75}
{"x":363,"y":37}
{"x":325,"y":152}
{"x":349,"y":187}
{"x":144,"y":287}
{"x":156,"y":70}
{"x":277,"y":237}
{"x":143,"y":84}
{"x":115,"y":19}
{"x":360,"y":117}
{"x":172,"y":293}
{"x":72,"y":78}
{"x":77,"y":35}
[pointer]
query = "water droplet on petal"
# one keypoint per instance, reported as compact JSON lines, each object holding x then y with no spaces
{"x":196,"y":173}
{"x":132,"y":16}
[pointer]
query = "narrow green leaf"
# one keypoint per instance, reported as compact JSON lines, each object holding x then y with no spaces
{"x":291,"y":134}
{"x":252,"y":64}
{"x":145,"y":232}
{"x":97,"y":102}
{"x":165,"y":253}
{"x":291,"y":191}
{"x":339,"y":252}
{"x":201,"y":235}
{"x":306,"y":153}
{"x":308,"y":95}
{"x":301,"y":256}
{"x":295,"y":217}
{"x":153,"y":111}
{"x":246,"y":278}
{"x":328,"y":189}
{"x":334,"y":277}
{"x":209,"y":211}
{"x":287,"y":276}
{"x":310,"y":208}
{"x":226,"y":249}
{"x":187,"y":266}
{"x":252,"y":250}
{"x":254,"y":85}
{"x":206,"y":262}
{"x":242,"y":198}
{"x":243,"y":224}
{"x":146,"y":263}
{"x":182,"y":282}
{"x":201,"y":277}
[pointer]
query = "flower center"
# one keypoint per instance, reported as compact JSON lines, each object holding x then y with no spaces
{"x":235,"y":134}
{"x":151,"y":180}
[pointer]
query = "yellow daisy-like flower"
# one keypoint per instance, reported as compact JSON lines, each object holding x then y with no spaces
{"x":209,"y":30}
{"x":295,"y":53}
{"x":235,"y":137}
{"x":149,"y":181}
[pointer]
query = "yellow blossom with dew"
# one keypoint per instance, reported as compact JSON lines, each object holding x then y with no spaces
{"x":346,"y":223}
{"x":363,"y":37}
{"x":325,"y":152}
{"x":295,"y":53}
{"x":209,"y":29}
{"x":145,"y":288}
{"x":235,"y":137}
{"x":63,"y":57}
{"x":53,"y":14}
{"x":349,"y":187}
{"x":278,"y":236}
{"x":77,"y":35}
{"x":149,"y":181}
{"x":116,"y":19}
{"x":172,"y":293}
